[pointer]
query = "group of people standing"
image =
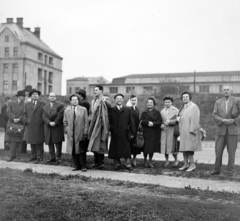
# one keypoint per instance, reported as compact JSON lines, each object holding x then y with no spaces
{"x":92,"y":126}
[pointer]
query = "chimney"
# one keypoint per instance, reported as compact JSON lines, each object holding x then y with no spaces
{"x":10,"y":20}
{"x":37,"y":32}
{"x":29,"y":29}
{"x":20,"y":22}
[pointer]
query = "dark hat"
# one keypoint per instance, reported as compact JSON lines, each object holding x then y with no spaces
{"x":28,"y":88}
{"x":21,"y":93}
{"x":132,"y":96}
{"x":81,"y":92}
{"x":34,"y":90}
{"x":118,"y":95}
{"x":76,"y":95}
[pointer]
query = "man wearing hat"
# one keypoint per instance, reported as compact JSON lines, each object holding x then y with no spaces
{"x":15,"y":112}
{"x":35,"y":125}
{"x":122,"y":129}
{"x":28,"y":88}
{"x":54,"y":131}
{"x":83,"y":100}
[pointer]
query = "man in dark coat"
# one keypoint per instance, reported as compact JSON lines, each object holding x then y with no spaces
{"x":15,"y":114}
{"x":54,"y":130}
{"x":35,"y":125}
{"x":4,"y":120}
{"x":83,"y":100}
{"x":122,"y":129}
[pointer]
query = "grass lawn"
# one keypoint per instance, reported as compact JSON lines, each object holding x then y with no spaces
{"x":202,"y":172}
{"x":31,"y":196}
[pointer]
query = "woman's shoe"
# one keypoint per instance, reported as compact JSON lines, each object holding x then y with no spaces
{"x":191,"y":168}
{"x":150,"y":166}
{"x":175,"y":164}
{"x":184,"y":167}
{"x":166,"y":164}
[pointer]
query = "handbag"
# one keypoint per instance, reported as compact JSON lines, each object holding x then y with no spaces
{"x":139,"y":140}
{"x":14,"y":129}
{"x":176,"y":132}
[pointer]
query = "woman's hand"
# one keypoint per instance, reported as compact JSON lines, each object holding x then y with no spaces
{"x":150,"y":123}
{"x":162,"y":126}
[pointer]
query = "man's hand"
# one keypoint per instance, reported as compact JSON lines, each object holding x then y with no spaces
{"x":15,"y":120}
{"x":162,"y":126}
{"x":228,"y":121}
{"x":65,"y":123}
{"x":150,"y":123}
{"x":52,"y":124}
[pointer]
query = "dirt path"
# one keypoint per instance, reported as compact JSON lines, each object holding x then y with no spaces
{"x":166,"y":181}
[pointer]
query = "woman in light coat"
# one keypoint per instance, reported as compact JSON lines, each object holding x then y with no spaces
{"x":168,"y":141}
{"x":190,"y":134}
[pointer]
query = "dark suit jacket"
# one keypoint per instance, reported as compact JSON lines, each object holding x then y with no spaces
{"x":219,"y":113}
{"x":34,"y":122}
{"x":55,"y":114}
{"x":85,"y":103}
{"x":4,"y":116}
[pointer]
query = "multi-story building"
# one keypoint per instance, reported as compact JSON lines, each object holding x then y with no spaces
{"x":26,"y":60}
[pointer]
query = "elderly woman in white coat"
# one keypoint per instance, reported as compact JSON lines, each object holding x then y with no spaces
{"x":190,"y":134}
{"x":168,"y":141}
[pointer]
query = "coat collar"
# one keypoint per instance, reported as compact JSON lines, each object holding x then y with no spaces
{"x":119,"y":111}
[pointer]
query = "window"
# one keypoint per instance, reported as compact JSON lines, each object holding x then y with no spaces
{"x":45,"y":59}
{"x":50,"y":77}
{"x":40,"y":87}
{"x":40,"y":56}
{"x":50,"y":61}
{"x":220,"y":88}
{"x":15,"y":52}
{"x":6,"y":38}
{"x":5,"y":85}
{"x":14,"y":85}
{"x":147,"y":88}
{"x":6,"y":54}
{"x":204,"y":88}
{"x":49,"y":88}
{"x":129,"y":89}
{"x":15,"y":68}
{"x":70,"y":90}
{"x":5,"y":68}
{"x":39,"y":74}
{"x":77,"y":88}
{"x":113,"y":90}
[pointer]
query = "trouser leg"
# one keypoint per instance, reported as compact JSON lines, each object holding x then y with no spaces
{"x":13,"y":147}
{"x":83,"y":159}
{"x":34,"y":151}
{"x":24,"y":146}
{"x":231,"y":148}
{"x":40,"y":151}
{"x":75,"y":158}
{"x":219,"y":147}
{"x":101,"y":159}
{"x":52,"y":151}
{"x":96,"y":161}
{"x":19,"y":149}
{"x":117,"y":162}
{"x":59,"y":150}
{"x":128,"y":162}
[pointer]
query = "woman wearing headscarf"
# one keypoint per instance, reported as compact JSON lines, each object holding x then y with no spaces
{"x":151,"y":120}
{"x":168,"y":140}
{"x":132,"y":104}
{"x":190,"y":131}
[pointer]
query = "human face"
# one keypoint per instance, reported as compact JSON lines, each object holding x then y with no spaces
{"x":27,"y":93}
{"x":185,"y":98}
{"x":52,"y":97}
{"x":150,"y":104}
{"x":35,"y":96}
{"x":21,"y":98}
{"x":167,"y":103}
{"x":133,"y":101}
{"x":226,"y":91}
{"x":119,"y":100}
{"x":97,"y":92}
{"x":74,"y":101}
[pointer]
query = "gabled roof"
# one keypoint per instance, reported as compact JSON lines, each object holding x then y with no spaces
{"x":26,"y":36}
{"x":78,"y":79}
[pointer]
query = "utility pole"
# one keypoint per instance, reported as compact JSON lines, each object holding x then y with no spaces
{"x":194,"y":82}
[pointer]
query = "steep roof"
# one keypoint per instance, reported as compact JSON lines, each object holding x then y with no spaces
{"x":26,"y":36}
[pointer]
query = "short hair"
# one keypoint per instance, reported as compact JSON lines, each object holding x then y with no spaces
{"x":52,"y":93}
{"x":224,"y":85}
{"x":152,"y":99}
{"x":132,"y":96}
{"x":189,"y":94}
{"x":100,"y":87}
{"x":7,"y":98}
{"x":74,"y":95}
{"x":168,"y":98}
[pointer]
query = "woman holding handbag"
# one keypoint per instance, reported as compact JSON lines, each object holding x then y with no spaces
{"x":168,"y":141}
{"x":15,"y":125}
{"x":151,"y":120}
{"x":135,"y":150}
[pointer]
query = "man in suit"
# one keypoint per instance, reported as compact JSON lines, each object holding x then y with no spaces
{"x":4,"y":120}
{"x":226,"y":114}
{"x":35,"y":125}
{"x":83,"y":100}
{"x":53,"y":129}
{"x":98,"y":92}
{"x":122,"y":130}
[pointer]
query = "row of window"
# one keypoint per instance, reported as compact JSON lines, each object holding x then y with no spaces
{"x":48,"y":77}
{"x":47,"y":89}
{"x":6,"y":68}
{"x":6,"y":84}
{"x":47,"y":60}
{"x":7,"y":52}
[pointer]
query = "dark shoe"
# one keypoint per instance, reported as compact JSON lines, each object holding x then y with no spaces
{"x":150,"y":166}
{"x":95,"y":165}
{"x":100,"y":167}
{"x":129,"y":168}
{"x":116,"y":167}
{"x":32,"y":159}
{"x":77,"y":168}
{"x":84,"y":170}
{"x":215,"y":173}
{"x":58,"y":162}
{"x":51,"y":161}
{"x":11,"y":159}
{"x":38,"y":161}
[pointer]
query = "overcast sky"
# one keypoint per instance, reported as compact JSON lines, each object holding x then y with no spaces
{"x":112,"y":38}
